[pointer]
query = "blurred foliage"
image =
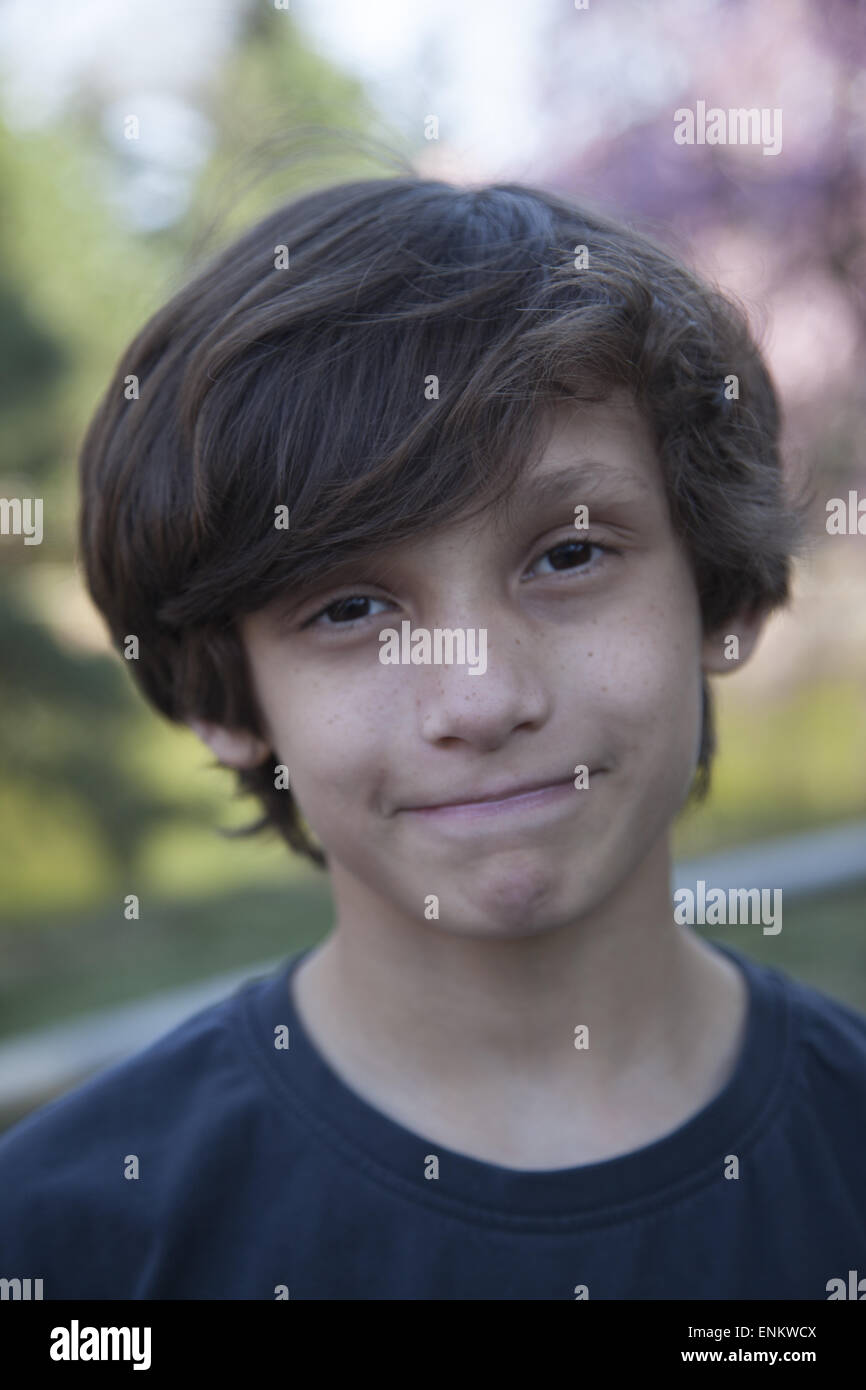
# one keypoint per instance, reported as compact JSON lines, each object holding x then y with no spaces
{"x":794,"y":765}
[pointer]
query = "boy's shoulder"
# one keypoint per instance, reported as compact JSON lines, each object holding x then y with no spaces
{"x":826,"y":1023}
{"x":819,"y":1019}
{"x":816,"y":1045}
{"x":113,"y":1132}
{"x":91,"y":1181}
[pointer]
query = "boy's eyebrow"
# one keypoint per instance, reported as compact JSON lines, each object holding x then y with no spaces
{"x":579,"y":482}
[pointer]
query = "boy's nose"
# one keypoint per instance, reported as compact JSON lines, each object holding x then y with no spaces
{"x":483,"y":709}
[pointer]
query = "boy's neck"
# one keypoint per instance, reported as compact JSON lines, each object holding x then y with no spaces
{"x":471,"y":1042}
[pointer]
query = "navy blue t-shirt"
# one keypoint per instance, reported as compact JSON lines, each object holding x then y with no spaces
{"x":261,"y":1174}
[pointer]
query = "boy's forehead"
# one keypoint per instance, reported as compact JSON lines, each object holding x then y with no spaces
{"x":593,"y":453}
{"x":598,"y":445}
{"x":570,"y":475}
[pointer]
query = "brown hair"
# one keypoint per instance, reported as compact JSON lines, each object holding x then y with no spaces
{"x":303,"y":386}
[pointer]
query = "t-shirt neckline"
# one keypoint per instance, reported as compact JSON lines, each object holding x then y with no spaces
{"x":694,"y":1154}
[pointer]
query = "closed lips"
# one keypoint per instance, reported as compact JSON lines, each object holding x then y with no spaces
{"x":502,"y":794}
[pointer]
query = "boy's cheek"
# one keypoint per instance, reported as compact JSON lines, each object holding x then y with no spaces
{"x":655,"y":722}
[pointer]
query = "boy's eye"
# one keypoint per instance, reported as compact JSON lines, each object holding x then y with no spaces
{"x":354,"y":608}
{"x":571,"y":554}
{"x":345,"y":611}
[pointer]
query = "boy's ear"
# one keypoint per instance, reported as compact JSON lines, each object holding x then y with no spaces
{"x":234,"y":747}
{"x":720,"y":653}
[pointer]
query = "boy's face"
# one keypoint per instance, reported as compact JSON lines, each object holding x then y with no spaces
{"x":594,"y":657}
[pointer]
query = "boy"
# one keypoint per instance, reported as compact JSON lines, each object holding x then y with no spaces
{"x":361,"y":437}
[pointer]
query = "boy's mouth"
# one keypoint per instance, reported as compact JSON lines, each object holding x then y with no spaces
{"x":485,"y":804}
{"x":500,"y":793}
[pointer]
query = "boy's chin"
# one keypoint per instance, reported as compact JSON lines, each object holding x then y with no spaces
{"x":515,"y":922}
